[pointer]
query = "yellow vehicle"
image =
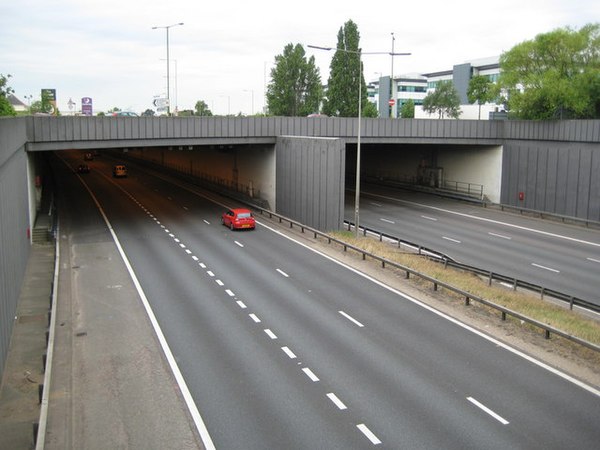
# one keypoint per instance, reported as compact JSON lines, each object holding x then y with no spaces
{"x":119,"y":171}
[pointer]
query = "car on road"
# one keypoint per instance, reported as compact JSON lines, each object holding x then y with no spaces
{"x":238,"y":219}
{"x":88,"y":156}
{"x":83,"y":168}
{"x":119,"y":171}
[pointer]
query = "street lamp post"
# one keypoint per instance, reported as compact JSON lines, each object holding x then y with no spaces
{"x":358,"y":52}
{"x":168,"y":79}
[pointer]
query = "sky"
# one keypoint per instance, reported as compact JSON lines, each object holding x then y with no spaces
{"x":224,"y":51}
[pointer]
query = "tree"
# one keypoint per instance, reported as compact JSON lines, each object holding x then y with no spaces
{"x":148,"y":113}
{"x":554,"y":76}
{"x":201,"y":109}
{"x":43,"y":106}
{"x":346,"y":72}
{"x":407,"y":110}
{"x":6,"y":109}
{"x":443,"y":101}
{"x":481,"y":90}
{"x":295,"y":88}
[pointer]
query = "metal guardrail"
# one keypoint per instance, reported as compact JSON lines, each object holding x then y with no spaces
{"x":491,"y":276}
{"x":468,"y":297}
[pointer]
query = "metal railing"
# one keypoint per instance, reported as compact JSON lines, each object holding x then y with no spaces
{"x":468,"y":296}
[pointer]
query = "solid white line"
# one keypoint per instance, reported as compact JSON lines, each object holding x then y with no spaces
{"x":368,"y":433}
{"x":545,"y":268}
{"x":230,"y":292}
{"x":270,"y":334}
{"x":451,"y":240}
{"x":219,"y":282}
{"x":239,"y":243}
{"x":283,"y":273}
{"x":206,"y":222}
{"x":457,"y":322}
{"x":254,"y":317}
{"x":387,"y":220}
{"x":481,"y":406}
{"x":499,"y":236}
{"x":336,"y":401}
{"x":310,"y":374}
{"x":241,"y":304}
{"x":593,"y":260}
{"x":351,"y":319}
{"x":429,"y":218}
{"x":288,"y":352}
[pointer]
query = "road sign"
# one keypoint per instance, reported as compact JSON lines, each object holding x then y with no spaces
{"x":391,"y":102}
{"x":160,"y":102}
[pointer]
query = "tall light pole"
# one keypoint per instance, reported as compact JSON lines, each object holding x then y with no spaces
{"x":166,"y":27}
{"x":358,"y":52}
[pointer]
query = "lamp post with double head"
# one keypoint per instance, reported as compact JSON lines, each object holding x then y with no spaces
{"x":358,"y":52}
{"x":166,"y":27}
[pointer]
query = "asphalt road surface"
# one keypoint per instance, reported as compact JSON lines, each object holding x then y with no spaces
{"x":282,"y":347}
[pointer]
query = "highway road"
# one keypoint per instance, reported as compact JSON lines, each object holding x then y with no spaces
{"x":557,"y":256}
{"x":282,"y":347}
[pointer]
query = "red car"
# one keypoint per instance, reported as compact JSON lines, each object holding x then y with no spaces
{"x":238,"y":219}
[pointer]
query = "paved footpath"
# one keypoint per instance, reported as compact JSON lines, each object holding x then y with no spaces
{"x":111,"y":386}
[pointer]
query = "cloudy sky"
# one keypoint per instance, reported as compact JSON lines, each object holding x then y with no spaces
{"x":223,"y":54}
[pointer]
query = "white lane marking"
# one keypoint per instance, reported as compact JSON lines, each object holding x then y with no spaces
{"x":254,"y":317}
{"x":481,"y":406}
{"x":239,"y":244}
{"x":589,"y":388}
{"x":288,"y":352}
{"x":545,"y":268}
{"x":182,"y":245}
{"x":230,"y":292}
{"x":241,"y":304}
{"x":283,"y":273}
{"x":210,"y":273}
{"x":387,"y":220}
{"x":170,"y":234}
{"x":497,"y":222}
{"x":368,"y":433}
{"x":219,"y":282}
{"x":451,"y":240}
{"x":195,"y":258}
{"x":186,"y":208}
{"x":336,"y":401}
{"x":188,"y":251}
{"x":499,"y":236}
{"x":593,"y":260}
{"x":270,"y":334}
{"x":351,"y":319}
{"x":310,"y":374}
{"x":176,"y":240}
{"x":206,"y":222}
{"x":376,"y":204}
{"x":429,"y":218}
{"x":202,"y":265}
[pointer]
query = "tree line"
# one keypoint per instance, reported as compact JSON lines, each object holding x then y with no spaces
{"x":556,"y":75}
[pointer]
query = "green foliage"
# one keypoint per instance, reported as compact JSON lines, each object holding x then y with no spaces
{"x":481,"y":90}
{"x":295,"y":88}
{"x":6,"y":109}
{"x":148,"y":113}
{"x":407,"y":110}
{"x":346,"y":72}
{"x":444,"y":101}
{"x":202,"y":109}
{"x":554,"y":76}
{"x":369,"y":109}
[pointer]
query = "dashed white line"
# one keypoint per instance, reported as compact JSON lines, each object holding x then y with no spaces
{"x":254,"y":317}
{"x":176,"y":240}
{"x":182,"y":245}
{"x":433,"y":219}
{"x":376,"y":204}
{"x":288,"y":352}
{"x":484,"y":408}
{"x":545,"y":268}
{"x":368,"y":433}
{"x":186,"y":208}
{"x":195,"y":258}
{"x":283,"y":273}
{"x":230,"y":292}
{"x":270,"y":334}
{"x":210,"y":273}
{"x":241,"y":304}
{"x":451,"y":240}
{"x":387,"y":220}
{"x":351,"y":319}
{"x":593,"y":260}
{"x":202,"y":265}
{"x":239,"y":244}
{"x":336,"y":401}
{"x":219,"y":282}
{"x":508,"y":238}
{"x":188,"y":251}
{"x":206,"y":222}
{"x":310,"y":374}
